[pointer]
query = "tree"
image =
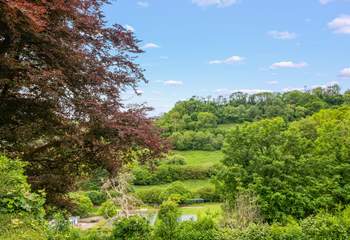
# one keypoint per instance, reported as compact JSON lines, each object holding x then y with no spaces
{"x":296,"y":170}
{"x":62,"y":72}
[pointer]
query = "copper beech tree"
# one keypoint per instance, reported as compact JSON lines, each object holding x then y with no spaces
{"x":62,"y":72}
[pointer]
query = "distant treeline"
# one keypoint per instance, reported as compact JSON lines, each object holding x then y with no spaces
{"x":191,"y":124}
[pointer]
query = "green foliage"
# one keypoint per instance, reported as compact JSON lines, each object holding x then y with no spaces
{"x":22,"y":226}
{"x":197,"y":140}
{"x":97,"y":197}
{"x":108,"y":209}
{"x":190,"y":124}
{"x":169,"y":173}
{"x":203,"y":229}
{"x":132,"y":228}
{"x":15,"y":195}
{"x":166,"y":228}
{"x":176,"y":190}
{"x":150,"y":196}
{"x":83,"y":205}
{"x":94,"y":180}
{"x":208,"y":193}
{"x":175,"y":160}
{"x":295,"y":170}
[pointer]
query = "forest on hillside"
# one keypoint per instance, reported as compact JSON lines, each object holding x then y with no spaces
{"x":201,"y":123}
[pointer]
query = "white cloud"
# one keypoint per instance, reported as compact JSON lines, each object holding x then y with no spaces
{"x":324,"y":2}
{"x":282,"y":35}
{"x":173,"y":82}
{"x":151,"y":45}
{"x":340,"y":24}
{"x":345,"y":73}
{"x":272,"y":82}
{"x":230,"y":60}
{"x":143,"y":4}
{"x":129,"y":28}
{"x":288,"y":64}
{"x":218,"y":3}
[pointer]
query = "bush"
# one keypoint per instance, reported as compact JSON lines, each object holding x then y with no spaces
{"x":15,"y":194}
{"x":150,"y":196}
{"x":166,"y":227}
{"x":133,"y":228}
{"x":108,"y":209}
{"x":175,"y":160}
{"x":21,"y":226}
{"x":208,"y":193}
{"x":142,"y":176}
{"x":177,"y":191}
{"x":204,"y":229}
{"x":170,"y":173}
{"x":97,"y":197}
{"x":83,"y":205}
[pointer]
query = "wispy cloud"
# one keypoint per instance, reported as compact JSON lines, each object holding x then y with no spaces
{"x":282,"y":35}
{"x":345,"y":73}
{"x":173,"y":82}
{"x":324,"y":2}
{"x":143,"y":4}
{"x":340,"y":24}
{"x":218,"y":3}
{"x":288,"y":64}
{"x":151,"y":45}
{"x":230,"y":60}
{"x":272,"y":82}
{"x":129,"y":28}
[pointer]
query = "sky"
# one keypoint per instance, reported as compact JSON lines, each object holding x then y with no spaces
{"x":215,"y":47}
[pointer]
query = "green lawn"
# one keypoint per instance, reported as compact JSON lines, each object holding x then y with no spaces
{"x":198,"y":209}
{"x":191,"y":185}
{"x":201,"y":158}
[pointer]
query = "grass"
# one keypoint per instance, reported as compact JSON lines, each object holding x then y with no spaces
{"x":198,"y":209}
{"x":201,"y":158}
{"x":191,"y":185}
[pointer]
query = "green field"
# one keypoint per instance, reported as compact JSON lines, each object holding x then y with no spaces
{"x":192,"y":185}
{"x":201,"y":158}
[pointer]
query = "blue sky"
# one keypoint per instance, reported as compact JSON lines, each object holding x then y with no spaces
{"x":214,"y":47}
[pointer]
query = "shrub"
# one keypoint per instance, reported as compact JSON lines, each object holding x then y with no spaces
{"x":166,"y":227}
{"x":83,"y":205}
{"x":108,"y":209}
{"x":150,"y":196}
{"x":97,"y":197}
{"x":175,"y":160}
{"x":133,"y":228}
{"x":208,"y":193}
{"x":142,"y":176}
{"x":21,"y":226}
{"x":176,"y":190}
{"x":15,"y":195}
{"x":204,"y":229}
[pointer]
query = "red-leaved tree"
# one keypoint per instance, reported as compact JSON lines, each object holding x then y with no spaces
{"x":62,"y":72}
